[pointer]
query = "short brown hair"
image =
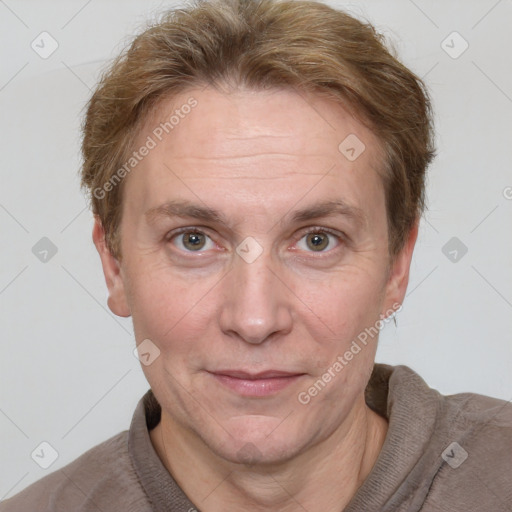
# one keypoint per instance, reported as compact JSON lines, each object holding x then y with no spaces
{"x":262,"y":44}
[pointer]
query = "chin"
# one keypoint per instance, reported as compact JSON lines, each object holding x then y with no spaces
{"x":257,"y":440}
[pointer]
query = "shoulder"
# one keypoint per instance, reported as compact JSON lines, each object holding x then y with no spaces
{"x":476,"y":469}
{"x":463,"y":443}
{"x":476,"y":422}
{"x":462,"y":413}
{"x":103,"y":478}
{"x":478,"y":418}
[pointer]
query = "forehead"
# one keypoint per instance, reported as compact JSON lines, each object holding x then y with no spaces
{"x":229,"y":123}
{"x":253,"y":142}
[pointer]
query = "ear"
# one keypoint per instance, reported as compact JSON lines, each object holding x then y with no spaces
{"x":398,"y":277}
{"x":117,"y":302}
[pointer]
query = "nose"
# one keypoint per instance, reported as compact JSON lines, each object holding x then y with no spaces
{"x":256,"y":302}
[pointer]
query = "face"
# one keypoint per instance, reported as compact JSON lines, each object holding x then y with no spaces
{"x":254,"y":255}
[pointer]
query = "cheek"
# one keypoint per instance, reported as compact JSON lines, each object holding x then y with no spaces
{"x":344,"y":302}
{"x":340,"y":320}
{"x":157,"y":301}
{"x":169,"y":308}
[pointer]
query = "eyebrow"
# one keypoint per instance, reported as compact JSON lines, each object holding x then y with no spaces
{"x":180,"y":208}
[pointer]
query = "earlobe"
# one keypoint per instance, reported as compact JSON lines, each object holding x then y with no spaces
{"x":398,"y":278}
{"x":117,"y":302}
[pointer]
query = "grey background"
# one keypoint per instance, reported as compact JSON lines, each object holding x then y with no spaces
{"x":68,"y":376}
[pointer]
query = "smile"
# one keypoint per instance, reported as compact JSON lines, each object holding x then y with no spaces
{"x":261,"y":384}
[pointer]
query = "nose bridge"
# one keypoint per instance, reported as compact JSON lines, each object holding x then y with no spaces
{"x":256,"y":303}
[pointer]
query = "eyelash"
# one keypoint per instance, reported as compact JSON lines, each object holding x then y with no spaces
{"x":340,"y":237}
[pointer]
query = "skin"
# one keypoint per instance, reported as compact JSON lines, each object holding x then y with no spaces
{"x":257,"y":157}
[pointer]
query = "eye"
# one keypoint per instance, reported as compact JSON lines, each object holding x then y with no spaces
{"x":319,"y":239}
{"x":191,"y":240}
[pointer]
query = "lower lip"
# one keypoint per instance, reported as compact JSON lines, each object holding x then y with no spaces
{"x":256,"y":387}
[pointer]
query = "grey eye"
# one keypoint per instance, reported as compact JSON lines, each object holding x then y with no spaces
{"x":192,"y":241}
{"x":317,"y":241}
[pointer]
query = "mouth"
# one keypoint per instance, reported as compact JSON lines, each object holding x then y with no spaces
{"x":260,"y":384}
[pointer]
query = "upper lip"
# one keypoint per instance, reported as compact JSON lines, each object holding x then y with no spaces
{"x":268,"y":374}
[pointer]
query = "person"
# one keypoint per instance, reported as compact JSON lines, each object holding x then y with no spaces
{"x":256,"y":169}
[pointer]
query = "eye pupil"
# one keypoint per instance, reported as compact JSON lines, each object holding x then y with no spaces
{"x":193,"y":240}
{"x":318,"y":241}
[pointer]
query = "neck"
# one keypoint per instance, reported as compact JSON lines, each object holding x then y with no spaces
{"x":323,"y":477}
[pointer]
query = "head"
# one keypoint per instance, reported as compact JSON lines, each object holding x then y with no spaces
{"x":256,"y":171}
